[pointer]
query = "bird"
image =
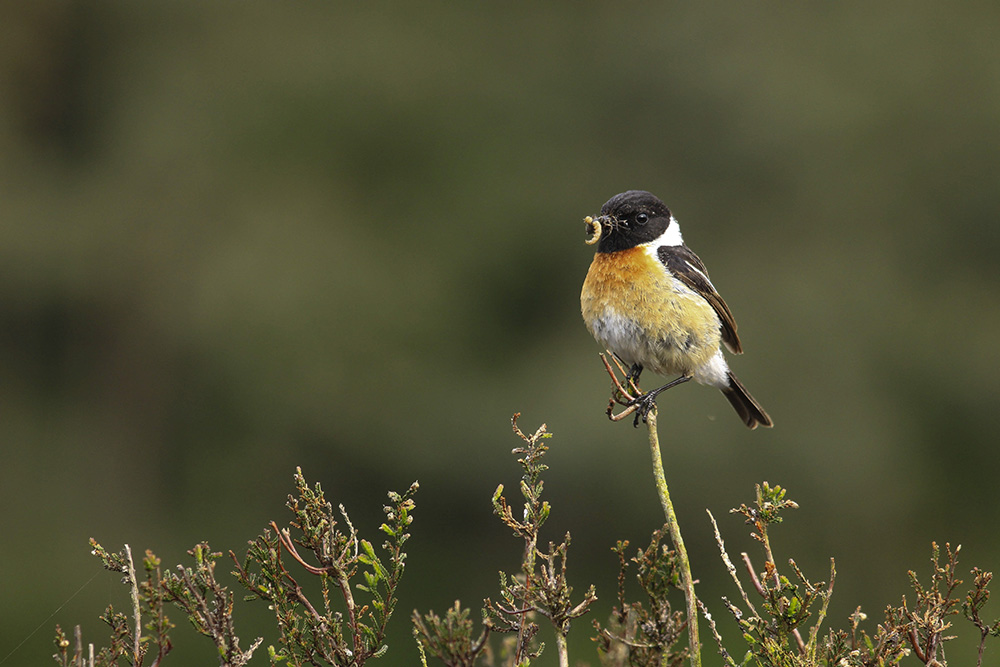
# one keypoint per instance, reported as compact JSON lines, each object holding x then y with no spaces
{"x":647,"y":298}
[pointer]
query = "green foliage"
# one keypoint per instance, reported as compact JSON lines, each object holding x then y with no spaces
{"x":148,"y":598}
{"x":310,"y":634}
{"x":773,"y":634}
{"x":637,"y":635}
{"x":313,"y":634}
{"x":195,"y":590}
{"x":973,"y":605}
{"x":780,"y":612}
{"x":540,"y":587}
{"x":788,"y":604}
{"x":152,"y":594}
{"x":208,"y":604}
{"x":769,"y":504}
{"x":450,"y":639}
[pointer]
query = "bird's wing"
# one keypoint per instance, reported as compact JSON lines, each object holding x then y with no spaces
{"x":689,"y":269}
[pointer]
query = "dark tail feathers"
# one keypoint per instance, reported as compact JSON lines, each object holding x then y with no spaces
{"x":748,"y":409}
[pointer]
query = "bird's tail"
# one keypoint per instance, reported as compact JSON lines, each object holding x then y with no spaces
{"x":748,"y":409}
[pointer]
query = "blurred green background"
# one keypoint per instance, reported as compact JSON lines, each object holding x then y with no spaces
{"x":241,"y":237}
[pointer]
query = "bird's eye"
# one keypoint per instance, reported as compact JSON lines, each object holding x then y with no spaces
{"x":641,"y":218}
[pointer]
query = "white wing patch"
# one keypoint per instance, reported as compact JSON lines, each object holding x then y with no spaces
{"x":695,"y":269}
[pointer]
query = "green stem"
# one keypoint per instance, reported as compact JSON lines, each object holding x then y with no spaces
{"x":694,"y":643}
{"x":136,"y":610}
{"x":563,"y":651}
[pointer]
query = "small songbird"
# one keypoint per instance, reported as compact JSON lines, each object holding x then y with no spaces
{"x":648,"y":299}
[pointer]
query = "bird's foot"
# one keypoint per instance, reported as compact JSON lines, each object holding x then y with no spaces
{"x":643,"y":404}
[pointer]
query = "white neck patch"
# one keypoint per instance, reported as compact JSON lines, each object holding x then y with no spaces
{"x":670,"y":236}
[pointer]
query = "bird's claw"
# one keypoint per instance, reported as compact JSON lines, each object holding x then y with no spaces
{"x":643,"y":404}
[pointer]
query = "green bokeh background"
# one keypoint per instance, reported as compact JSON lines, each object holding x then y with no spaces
{"x":241,"y":237}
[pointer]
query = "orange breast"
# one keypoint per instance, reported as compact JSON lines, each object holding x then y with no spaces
{"x":635,"y":308}
{"x":625,"y":278}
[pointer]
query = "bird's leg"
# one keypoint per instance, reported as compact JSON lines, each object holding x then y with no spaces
{"x":620,"y":395}
{"x":646,"y":402}
{"x":632,"y":376}
{"x":634,"y":370}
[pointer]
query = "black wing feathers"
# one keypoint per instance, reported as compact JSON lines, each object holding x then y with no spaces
{"x":689,"y":269}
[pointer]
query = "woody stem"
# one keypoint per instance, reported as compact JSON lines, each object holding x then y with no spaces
{"x":673,"y":527}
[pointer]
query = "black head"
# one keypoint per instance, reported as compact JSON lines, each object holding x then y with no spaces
{"x":630,"y":219}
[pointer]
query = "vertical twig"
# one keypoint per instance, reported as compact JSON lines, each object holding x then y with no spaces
{"x":694,"y":643}
{"x":136,"y":612}
{"x":78,"y":651}
{"x":715,"y":633}
{"x":814,"y":631}
{"x":528,"y":566}
{"x":732,"y":568}
{"x":563,"y":651}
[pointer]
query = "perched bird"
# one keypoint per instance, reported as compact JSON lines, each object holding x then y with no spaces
{"x":648,"y":299}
